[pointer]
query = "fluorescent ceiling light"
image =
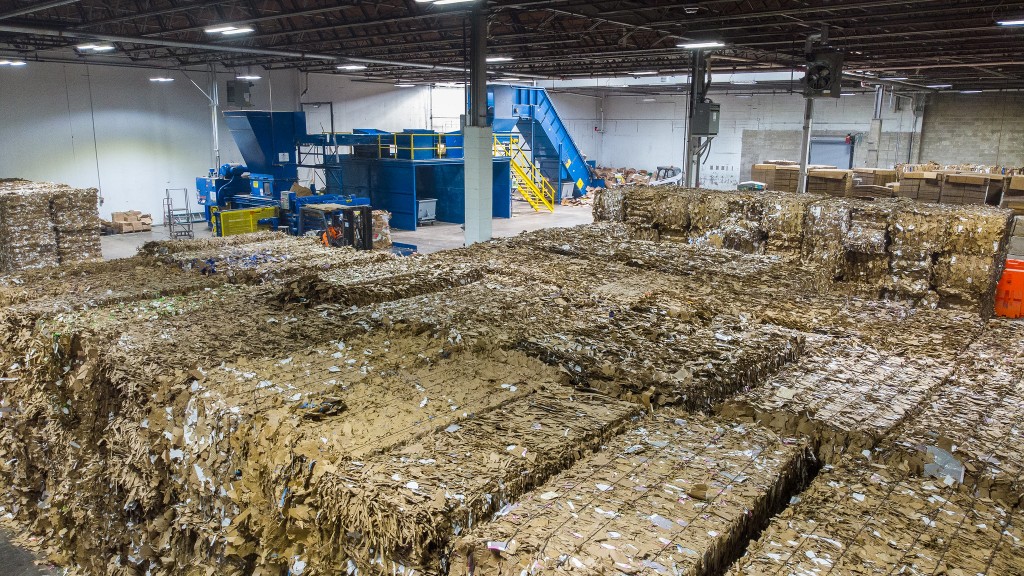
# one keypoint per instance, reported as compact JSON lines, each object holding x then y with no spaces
{"x":11,"y":63}
{"x":498,"y":59}
{"x":939,"y":86}
{"x":848,"y":94}
{"x":509,"y":79}
{"x":404,"y":85}
{"x":161,"y":79}
{"x":971,"y":91}
{"x":220,"y":29}
{"x":234,"y":31}
{"x":647,"y":73}
{"x":895,"y":78}
{"x":248,"y":77}
{"x":699,"y":45}
{"x":650,"y":99}
{"x":1011,"y":22}
{"x":351,"y":67}
{"x":95,"y":47}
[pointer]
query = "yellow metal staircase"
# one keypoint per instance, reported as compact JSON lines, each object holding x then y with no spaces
{"x":526,"y":176}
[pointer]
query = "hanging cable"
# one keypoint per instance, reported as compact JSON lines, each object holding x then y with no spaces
{"x":95,"y":146}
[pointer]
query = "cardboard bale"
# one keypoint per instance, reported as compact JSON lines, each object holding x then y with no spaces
{"x":679,"y":491}
{"x":609,"y":205}
{"x":874,"y":521}
{"x":845,"y":395}
{"x":401,"y":510}
{"x":969,"y":432}
{"x":381,"y":230}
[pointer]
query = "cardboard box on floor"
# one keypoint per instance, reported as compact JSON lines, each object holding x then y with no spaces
{"x":131,"y":221}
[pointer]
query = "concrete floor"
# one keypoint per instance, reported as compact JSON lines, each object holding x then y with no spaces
{"x":432,"y":238}
{"x":127,"y":245}
{"x":17,"y":562}
{"x":444,"y":236}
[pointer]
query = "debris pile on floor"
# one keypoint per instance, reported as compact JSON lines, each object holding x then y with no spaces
{"x":43,"y":225}
{"x":947,"y":255}
{"x":263,"y":404}
{"x":618,"y":177}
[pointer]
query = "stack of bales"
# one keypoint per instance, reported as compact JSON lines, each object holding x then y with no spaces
{"x":43,"y":225}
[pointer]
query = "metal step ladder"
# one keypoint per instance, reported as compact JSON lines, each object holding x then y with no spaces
{"x":178,"y":220}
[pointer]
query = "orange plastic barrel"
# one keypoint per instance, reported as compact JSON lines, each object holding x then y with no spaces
{"x":1010,"y":291}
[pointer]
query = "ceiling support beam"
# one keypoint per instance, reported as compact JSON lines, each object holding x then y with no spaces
{"x":35,"y":8}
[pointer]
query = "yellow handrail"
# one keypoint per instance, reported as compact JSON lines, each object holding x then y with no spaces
{"x":530,"y":182}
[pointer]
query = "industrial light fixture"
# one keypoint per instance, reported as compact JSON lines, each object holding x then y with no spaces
{"x":650,"y":99}
{"x":1011,"y":22}
{"x":646,"y":73}
{"x":848,"y":94}
{"x":95,"y":47}
{"x":229,"y":30}
{"x":939,"y":86}
{"x":248,"y":77}
{"x":510,"y":79}
{"x":161,"y":79}
{"x":971,"y":91}
{"x":493,"y":59}
{"x":701,"y":45}
{"x":404,"y":85}
{"x":12,"y":63}
{"x":895,"y":78}
{"x":351,"y":67}
{"x":442,"y":2}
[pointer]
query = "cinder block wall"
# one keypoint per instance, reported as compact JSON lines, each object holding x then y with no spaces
{"x":982,"y":128}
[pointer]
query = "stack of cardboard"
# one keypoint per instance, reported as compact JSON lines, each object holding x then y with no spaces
{"x":1013,"y":196}
{"x":830,"y":182}
{"x":779,"y":175}
{"x":131,"y":221}
{"x":921,"y":186}
{"x":971,"y":189}
{"x":875,"y":176}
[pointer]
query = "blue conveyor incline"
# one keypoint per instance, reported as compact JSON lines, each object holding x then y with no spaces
{"x":532,"y":111}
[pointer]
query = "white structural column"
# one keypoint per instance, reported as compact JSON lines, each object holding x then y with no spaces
{"x":478,"y":139}
{"x":479,"y":148}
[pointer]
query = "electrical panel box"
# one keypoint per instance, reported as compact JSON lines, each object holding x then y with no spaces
{"x":238,"y":93}
{"x":706,"y":118}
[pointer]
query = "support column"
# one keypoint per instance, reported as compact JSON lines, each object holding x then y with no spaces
{"x":874,"y":139}
{"x":478,"y":139}
{"x":214,"y":117}
{"x":698,"y":92}
{"x":805,"y":145}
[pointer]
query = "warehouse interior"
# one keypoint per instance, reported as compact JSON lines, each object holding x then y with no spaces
{"x":511,"y":287}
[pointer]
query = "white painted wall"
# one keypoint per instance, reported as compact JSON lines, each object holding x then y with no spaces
{"x":111,"y":127}
{"x":645,"y":135}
